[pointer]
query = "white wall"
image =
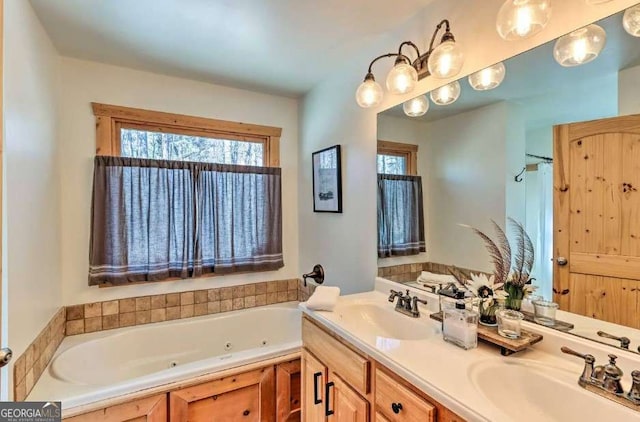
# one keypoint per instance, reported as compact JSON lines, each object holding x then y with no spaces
{"x":31,"y":277}
{"x":345,"y":243}
{"x":84,"y":82}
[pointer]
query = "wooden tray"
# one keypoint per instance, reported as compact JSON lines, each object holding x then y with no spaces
{"x":507,"y":345}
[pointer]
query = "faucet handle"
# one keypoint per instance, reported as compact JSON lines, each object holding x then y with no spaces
{"x":634,"y":392}
{"x":587,"y":357}
{"x":624,"y":341}
{"x":588,"y":371}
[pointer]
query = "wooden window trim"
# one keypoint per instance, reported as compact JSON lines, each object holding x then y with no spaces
{"x":110,"y":119}
{"x":409,"y":151}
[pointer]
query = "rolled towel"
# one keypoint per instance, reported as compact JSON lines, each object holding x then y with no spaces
{"x":428,"y":277}
{"x":324,"y":298}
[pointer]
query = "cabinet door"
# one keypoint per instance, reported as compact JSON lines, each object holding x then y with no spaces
{"x":150,"y":409}
{"x":314,"y":379}
{"x":343,"y":403}
{"x":288,"y":391}
{"x":247,"y":397}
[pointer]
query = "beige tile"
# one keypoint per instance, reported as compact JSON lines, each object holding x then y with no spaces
{"x":261,"y":300}
{"x":293,"y":284}
{"x":226,"y":305}
{"x":292,"y":295}
{"x":109,"y":322}
{"x":21,"y":391}
{"x":238,"y":303}
{"x":200,"y":309}
{"x":92,"y":324}
{"x":282,"y":285}
{"x":283,"y":296}
{"x":213,"y":307}
{"x":213,"y":295}
{"x":237,"y":292}
{"x":249,"y":289}
{"x":29,"y":380}
{"x":73,"y":327}
{"x":92,"y":310}
{"x":272,"y":287}
{"x":158,"y":301}
{"x":19,"y":369}
{"x":186,"y":311}
{"x":159,"y":315}
{"x":173,"y":313}
{"x":272,"y":298}
{"x":143,"y":303}
{"x":110,"y":308}
{"x":127,"y":305}
{"x":226,"y":293}
{"x":127,"y":319}
{"x":261,"y":288}
{"x":173,"y":299}
{"x":143,"y":317}
{"x":200,"y":296}
{"x":249,"y":301}
{"x":75,"y":312}
{"x":186,"y":298}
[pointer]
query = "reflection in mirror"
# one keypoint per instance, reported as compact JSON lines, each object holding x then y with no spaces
{"x":490,"y":155}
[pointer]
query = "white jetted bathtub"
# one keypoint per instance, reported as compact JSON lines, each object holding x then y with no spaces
{"x":97,"y":366}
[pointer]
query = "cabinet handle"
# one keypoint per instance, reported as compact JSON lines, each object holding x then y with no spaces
{"x":327,"y":412}
{"x":316,"y":400}
{"x":396,"y":407}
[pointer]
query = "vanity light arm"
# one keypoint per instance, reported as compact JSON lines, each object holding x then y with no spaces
{"x":384,"y":56}
{"x":447,"y":34}
{"x":410,"y":44}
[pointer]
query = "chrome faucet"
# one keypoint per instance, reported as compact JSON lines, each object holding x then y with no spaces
{"x":406,"y":304}
{"x":624,"y":341}
{"x":605,"y":380}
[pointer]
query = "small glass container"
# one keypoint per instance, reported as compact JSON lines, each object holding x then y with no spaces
{"x":544,"y":312}
{"x":509,"y":323}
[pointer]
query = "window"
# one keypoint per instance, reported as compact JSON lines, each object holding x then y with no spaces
{"x":397,"y":158}
{"x":179,"y":196}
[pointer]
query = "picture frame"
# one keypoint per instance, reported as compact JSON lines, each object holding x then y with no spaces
{"x":327,"y":180}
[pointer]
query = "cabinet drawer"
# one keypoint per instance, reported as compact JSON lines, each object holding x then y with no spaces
{"x":391,"y":395}
{"x":351,"y":366}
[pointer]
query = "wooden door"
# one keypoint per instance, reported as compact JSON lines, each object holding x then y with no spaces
{"x":247,"y":397}
{"x":149,"y":409}
{"x":288,"y":391}
{"x":343,"y":403}
{"x":314,"y":380}
{"x":597,"y":219}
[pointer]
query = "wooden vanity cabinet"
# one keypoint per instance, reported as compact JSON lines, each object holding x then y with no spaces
{"x":358,"y":388}
{"x":148,"y":409}
{"x":288,"y":391}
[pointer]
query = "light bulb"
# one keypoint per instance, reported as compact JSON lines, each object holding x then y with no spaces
{"x":402,"y":78}
{"x":369,"y":93}
{"x":631,"y":20}
{"x":416,"y":107}
{"x":488,"y":78}
{"x":446,"y":60}
{"x":446,"y":94}
{"x":519,"y":19}
{"x":580,"y":46}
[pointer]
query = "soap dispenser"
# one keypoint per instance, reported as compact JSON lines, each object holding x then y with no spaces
{"x":460,"y":325}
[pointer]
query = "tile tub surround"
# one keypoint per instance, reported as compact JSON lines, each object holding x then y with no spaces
{"x":29,"y":366}
{"x":99,"y":316}
{"x":410,"y":272}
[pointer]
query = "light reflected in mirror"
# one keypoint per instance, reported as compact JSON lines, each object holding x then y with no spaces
{"x":490,"y":155}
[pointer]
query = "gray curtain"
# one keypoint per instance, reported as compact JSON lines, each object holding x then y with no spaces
{"x":156,"y":219}
{"x":400,"y":215}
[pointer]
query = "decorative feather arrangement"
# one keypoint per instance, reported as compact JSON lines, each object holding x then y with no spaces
{"x":501,"y":273}
{"x":524,"y":257}
{"x":505,"y":250}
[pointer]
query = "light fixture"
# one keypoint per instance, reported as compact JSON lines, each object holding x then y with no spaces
{"x":446,"y":94}
{"x":416,"y":107}
{"x":488,"y":78}
{"x":518,"y":19}
{"x":631,"y":20}
{"x":443,"y":61}
{"x":580,"y":46}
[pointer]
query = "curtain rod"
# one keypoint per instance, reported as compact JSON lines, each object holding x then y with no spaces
{"x":541,"y":157}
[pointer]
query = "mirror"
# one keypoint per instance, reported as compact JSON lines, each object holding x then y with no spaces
{"x":490,"y":155}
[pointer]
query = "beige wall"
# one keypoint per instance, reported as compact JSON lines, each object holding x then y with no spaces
{"x":345,"y":243}
{"x":31,"y":261}
{"x":83,"y":82}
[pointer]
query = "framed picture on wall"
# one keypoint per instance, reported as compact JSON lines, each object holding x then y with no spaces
{"x":327,"y":180}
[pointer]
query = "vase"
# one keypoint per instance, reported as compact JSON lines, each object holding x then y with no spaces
{"x":487,"y":310}
{"x":516,"y":294}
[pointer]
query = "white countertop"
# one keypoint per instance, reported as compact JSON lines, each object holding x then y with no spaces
{"x":445,"y":371}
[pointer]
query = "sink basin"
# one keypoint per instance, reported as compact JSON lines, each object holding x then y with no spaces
{"x":542,"y":392}
{"x":384,"y":322}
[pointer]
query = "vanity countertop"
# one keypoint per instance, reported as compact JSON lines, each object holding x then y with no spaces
{"x":473,"y":383}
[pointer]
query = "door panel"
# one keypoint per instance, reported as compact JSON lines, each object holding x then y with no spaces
{"x":597,"y":218}
{"x":288,"y":391}
{"x":314,"y":379}
{"x":346,"y":404}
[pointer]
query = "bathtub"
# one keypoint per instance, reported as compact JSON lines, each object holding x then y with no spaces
{"x":93,"y":367}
